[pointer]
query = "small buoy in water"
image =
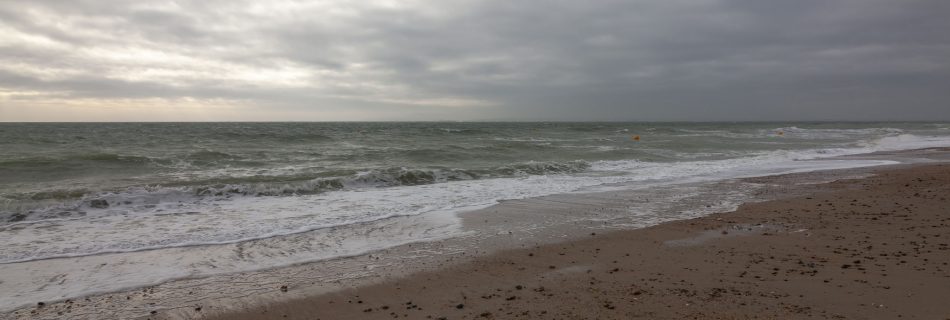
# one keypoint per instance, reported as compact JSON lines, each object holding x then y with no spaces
{"x":635,"y":138}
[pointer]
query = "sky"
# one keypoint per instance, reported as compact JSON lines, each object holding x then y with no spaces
{"x":486,"y":60}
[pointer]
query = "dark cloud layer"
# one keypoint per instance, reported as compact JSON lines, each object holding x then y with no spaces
{"x":483,"y":60}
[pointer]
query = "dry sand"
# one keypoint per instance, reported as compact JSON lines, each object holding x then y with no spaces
{"x":873,"y":248}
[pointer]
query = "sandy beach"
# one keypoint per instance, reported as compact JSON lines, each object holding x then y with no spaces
{"x":869,"y":248}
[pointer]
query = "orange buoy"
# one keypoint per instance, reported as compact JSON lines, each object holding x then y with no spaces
{"x":635,"y":138}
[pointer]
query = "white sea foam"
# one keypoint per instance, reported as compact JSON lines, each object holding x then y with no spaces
{"x":793,"y":132}
{"x":834,"y":133}
{"x":28,"y":282}
{"x":906,"y":142}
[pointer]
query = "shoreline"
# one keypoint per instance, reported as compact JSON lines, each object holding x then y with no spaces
{"x":860,"y":248}
{"x":279,"y":284}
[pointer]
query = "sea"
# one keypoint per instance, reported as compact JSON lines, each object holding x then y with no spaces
{"x":109,"y":191}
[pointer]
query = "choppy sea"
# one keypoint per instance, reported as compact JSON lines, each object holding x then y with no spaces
{"x":83,"y":189}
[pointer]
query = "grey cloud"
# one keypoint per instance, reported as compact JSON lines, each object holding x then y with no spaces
{"x":547,"y":60}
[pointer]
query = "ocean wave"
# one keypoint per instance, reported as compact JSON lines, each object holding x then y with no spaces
{"x":83,"y":163}
{"x":379,"y":178}
{"x":463,"y":131}
{"x":96,"y":157}
{"x":211,"y":155}
{"x":906,"y":142}
{"x":529,"y":139}
{"x":832,"y":133}
{"x":274,"y":135}
{"x":36,"y":256}
{"x":791,"y":132}
{"x":55,"y":194}
{"x":77,"y":202}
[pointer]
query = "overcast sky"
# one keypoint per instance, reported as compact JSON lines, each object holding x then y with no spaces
{"x":82,"y":60}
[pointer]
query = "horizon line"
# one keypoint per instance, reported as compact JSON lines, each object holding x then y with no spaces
{"x":496,"y":121}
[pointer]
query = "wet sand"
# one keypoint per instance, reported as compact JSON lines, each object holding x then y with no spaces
{"x":870,"y":248}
